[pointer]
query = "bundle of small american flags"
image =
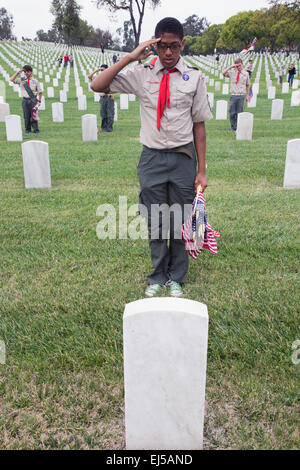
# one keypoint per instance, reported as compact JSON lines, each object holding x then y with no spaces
{"x":197,"y":232}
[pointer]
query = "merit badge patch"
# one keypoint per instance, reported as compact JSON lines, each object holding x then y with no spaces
{"x":185,"y":77}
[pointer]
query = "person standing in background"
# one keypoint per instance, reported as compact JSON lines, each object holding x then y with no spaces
{"x":240,"y":85}
{"x":292,"y":73}
{"x":30,"y":87}
{"x":107,"y":104}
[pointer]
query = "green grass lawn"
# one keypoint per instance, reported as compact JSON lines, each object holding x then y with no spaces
{"x":63,"y":291}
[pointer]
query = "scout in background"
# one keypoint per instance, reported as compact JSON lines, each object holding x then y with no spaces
{"x":239,"y":89}
{"x":30,"y":88}
{"x":107,"y":105}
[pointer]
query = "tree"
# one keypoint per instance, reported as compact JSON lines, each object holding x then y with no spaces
{"x":135,"y":9}
{"x":194,"y":26}
{"x":66,"y":13}
{"x":82,"y":32}
{"x":6,"y":24}
{"x":237,"y":32}
{"x":210,"y":38}
{"x":53,"y":35}
{"x":128,"y":36}
{"x":101,"y":39}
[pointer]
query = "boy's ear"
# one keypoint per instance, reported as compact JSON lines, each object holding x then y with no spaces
{"x":183,"y":44}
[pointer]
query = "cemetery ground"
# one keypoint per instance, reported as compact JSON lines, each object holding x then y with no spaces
{"x":63,"y":291}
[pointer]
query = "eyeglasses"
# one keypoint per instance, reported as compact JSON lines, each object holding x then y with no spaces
{"x":175,"y":46}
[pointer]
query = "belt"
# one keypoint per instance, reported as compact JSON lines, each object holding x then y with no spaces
{"x":238,"y":94}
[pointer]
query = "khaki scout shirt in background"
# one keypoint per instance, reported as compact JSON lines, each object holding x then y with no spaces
{"x":240,"y":87}
{"x":188,"y":103}
{"x":34,"y":85}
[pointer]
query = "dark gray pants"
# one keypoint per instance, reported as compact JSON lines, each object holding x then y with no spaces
{"x":27,"y":106}
{"x":166,"y":178}
{"x":236,"y":106}
{"x":107,"y":113}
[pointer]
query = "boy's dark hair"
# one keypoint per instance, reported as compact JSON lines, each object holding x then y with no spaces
{"x":169,"y":25}
{"x":104,"y":66}
{"x":27,"y":68}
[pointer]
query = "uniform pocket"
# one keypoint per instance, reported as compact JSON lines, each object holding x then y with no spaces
{"x":184,"y":97}
{"x":150,"y":95}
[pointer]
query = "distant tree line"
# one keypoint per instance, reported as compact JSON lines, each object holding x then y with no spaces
{"x":275,"y":27}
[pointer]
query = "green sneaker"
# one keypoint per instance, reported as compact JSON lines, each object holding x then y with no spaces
{"x":153,"y":290}
{"x":175,"y":289}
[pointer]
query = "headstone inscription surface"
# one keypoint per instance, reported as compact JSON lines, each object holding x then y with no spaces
{"x":165,"y":350}
{"x":36,"y":164}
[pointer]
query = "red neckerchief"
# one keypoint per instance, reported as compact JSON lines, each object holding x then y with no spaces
{"x":29,"y":81}
{"x":237,"y":78}
{"x":164,"y":95}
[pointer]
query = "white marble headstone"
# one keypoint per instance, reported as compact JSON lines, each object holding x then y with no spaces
{"x":13,"y":128}
{"x":252,"y":103}
{"x":50,"y":92}
{"x":271,"y":93}
{"x":131,"y":97}
{"x":210,"y":97}
{"x":255,"y":88}
{"x":292,"y":165}
{"x":58,"y":112}
{"x":82,"y":106}
{"x":42,"y":106}
{"x":285,"y":87}
{"x":244,"y":126}
{"x":79,"y":91}
{"x":165,"y":350}
{"x":63,"y":96}
{"x":225,"y":89}
{"x":123,"y":101}
{"x":36,"y":164}
{"x":277,"y":110}
{"x":221,"y":110}
{"x":116,"y":111}
{"x":89,"y":127}
{"x":295,"y":98}
{"x":4,"y":111}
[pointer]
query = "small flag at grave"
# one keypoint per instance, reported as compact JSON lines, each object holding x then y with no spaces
{"x":196,"y":231}
{"x":250,"y":95}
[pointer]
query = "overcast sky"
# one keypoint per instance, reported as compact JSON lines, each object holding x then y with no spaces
{"x":32,"y":15}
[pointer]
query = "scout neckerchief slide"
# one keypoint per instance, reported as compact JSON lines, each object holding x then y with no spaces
{"x":196,"y":231}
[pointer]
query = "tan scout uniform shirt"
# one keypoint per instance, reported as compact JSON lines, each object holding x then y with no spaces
{"x":240,"y":87}
{"x":188,"y":103}
{"x":34,"y":85}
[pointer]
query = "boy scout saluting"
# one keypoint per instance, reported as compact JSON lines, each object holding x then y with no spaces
{"x":107,"y":105}
{"x":174,"y":107}
{"x":30,"y":87}
{"x":240,"y":85}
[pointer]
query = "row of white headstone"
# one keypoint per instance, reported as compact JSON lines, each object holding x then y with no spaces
{"x":37,"y":166}
{"x":89,"y":124}
{"x":276,"y":111}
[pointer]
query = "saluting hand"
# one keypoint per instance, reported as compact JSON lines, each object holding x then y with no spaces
{"x":143,"y":50}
